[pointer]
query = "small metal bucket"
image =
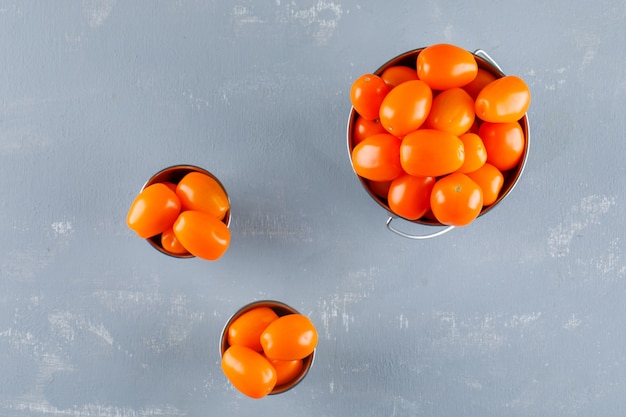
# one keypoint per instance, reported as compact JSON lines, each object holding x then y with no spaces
{"x":174,"y":174}
{"x":511,"y":177}
{"x":281,"y":309}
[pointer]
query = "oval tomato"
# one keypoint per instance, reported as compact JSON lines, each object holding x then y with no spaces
{"x":202,"y":234}
{"x":475,"y":152}
{"x":452,"y":111}
{"x":170,"y":185}
{"x":483,"y":77}
{"x":201,"y":192}
{"x":364,"y":128}
{"x":246,"y":329}
{"x":456,"y":200}
{"x":444,"y":66}
{"x":398,"y":74}
{"x":248,"y":371}
{"x":431,"y":153}
{"x":377,"y":158}
{"x":490,"y":180}
{"x":171,"y":244}
{"x":406,"y":107}
{"x":504,"y":142}
{"x":289,"y":337}
{"x":153,"y":210}
{"x":504,"y":100}
{"x":409,"y":196}
{"x":286,"y":371}
{"x":366,"y":94}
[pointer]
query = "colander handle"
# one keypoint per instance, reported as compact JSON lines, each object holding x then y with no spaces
{"x":416,"y":237}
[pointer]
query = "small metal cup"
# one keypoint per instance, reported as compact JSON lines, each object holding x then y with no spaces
{"x":511,"y":178}
{"x":281,"y":309}
{"x":174,"y":174}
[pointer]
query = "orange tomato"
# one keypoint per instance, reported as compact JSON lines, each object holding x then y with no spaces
{"x":409,"y":196}
{"x":483,"y":77}
{"x":444,"y":66}
{"x":289,"y":337}
{"x":366,"y":94}
{"x":452,"y":111}
{"x":490,"y":180}
{"x":246,"y":329}
{"x":456,"y":200}
{"x":431,"y":153}
{"x":377,"y":158}
{"x":398,"y":74}
{"x":171,"y":244}
{"x":504,"y":142}
{"x":248,"y":371}
{"x":201,"y":192}
{"x":153,"y":210}
{"x":286,"y":371}
{"x":475,"y":152}
{"x":504,"y":100}
{"x":406,"y":107}
{"x":202,"y":234}
{"x":170,"y":185}
{"x":364,"y":128}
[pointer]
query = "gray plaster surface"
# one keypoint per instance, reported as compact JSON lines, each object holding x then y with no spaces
{"x":521,"y":313}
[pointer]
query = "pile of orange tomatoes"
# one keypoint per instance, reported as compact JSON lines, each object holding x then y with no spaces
{"x":436,"y":140}
{"x":266,"y":350}
{"x":187,"y":217}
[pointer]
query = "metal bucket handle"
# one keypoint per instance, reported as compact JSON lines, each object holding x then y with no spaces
{"x":484,"y":55}
{"x":416,"y":237}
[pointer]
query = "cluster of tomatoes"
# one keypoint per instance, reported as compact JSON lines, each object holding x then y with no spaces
{"x":266,"y":350}
{"x":187,"y":217}
{"x":436,"y":139}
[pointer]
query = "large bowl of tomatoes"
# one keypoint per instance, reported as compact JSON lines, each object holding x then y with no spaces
{"x":438,"y":136}
{"x":267,"y":347}
{"x":183,"y":211}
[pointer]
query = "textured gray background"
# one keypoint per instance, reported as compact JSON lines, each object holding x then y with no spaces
{"x":520,"y":314}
